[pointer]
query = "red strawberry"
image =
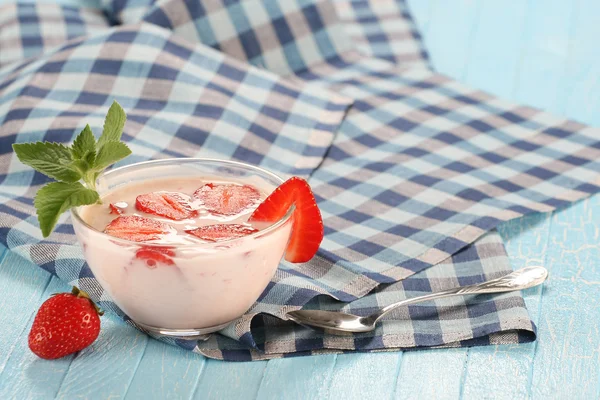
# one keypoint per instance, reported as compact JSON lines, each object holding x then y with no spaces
{"x":175,"y":206}
{"x":64,"y":324}
{"x":154,"y":255}
{"x":117,"y":208}
{"x":307,"y":232}
{"x":227,"y":199}
{"x":220,"y":232}
{"x":137,"y":229}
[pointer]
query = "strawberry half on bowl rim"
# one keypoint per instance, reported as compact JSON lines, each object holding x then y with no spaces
{"x":243,"y":265}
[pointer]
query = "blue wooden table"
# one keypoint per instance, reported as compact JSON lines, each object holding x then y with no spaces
{"x":543,"y":54}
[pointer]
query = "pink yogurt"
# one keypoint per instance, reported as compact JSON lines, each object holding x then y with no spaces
{"x":208,"y":284}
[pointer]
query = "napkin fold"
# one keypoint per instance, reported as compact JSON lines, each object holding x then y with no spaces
{"x":410,"y":182}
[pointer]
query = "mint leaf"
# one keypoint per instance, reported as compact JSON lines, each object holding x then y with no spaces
{"x":84,"y":161}
{"x":110,"y":153}
{"x":57,"y":197}
{"x":52,"y":159}
{"x":113,"y":125}
{"x":86,"y":166}
{"x":84,"y":151}
{"x":84,"y":144}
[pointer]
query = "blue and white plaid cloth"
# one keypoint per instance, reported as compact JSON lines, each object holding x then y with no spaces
{"x":29,"y":29}
{"x":410,"y":181}
{"x":383,"y":29}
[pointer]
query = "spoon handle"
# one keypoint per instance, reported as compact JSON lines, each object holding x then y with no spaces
{"x":518,"y":280}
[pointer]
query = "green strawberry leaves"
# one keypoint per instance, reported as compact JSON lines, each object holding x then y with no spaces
{"x":83,"y":161}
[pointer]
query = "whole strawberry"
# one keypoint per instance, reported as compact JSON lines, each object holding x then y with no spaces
{"x":64,"y":324}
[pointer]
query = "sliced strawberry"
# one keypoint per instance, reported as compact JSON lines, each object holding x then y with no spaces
{"x":117,"y":208}
{"x":227,"y":199}
{"x":172,"y":205}
{"x":155,"y":255}
{"x":220,"y":232}
{"x":137,"y":229}
{"x":307,"y":232}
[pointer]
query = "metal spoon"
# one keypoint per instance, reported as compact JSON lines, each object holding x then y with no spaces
{"x":338,"y":322}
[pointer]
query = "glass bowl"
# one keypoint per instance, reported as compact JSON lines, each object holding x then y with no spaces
{"x":210,"y":284}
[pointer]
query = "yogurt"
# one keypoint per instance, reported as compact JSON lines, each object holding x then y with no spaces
{"x":203,"y":284}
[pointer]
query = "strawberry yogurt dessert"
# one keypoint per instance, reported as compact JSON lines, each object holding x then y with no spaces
{"x":188,"y":245}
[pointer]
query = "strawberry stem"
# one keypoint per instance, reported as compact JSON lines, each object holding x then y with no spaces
{"x":83,"y":294}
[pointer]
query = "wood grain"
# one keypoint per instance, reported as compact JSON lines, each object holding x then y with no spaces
{"x":450,"y":60}
{"x":301,"y":378}
{"x":166,"y":372}
{"x":106,"y":368}
{"x":566,"y":357}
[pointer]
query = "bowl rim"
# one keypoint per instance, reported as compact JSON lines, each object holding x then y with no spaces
{"x":263,"y":232}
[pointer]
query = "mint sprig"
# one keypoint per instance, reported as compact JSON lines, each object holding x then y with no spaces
{"x":76,"y":168}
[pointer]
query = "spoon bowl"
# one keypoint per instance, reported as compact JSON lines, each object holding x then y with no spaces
{"x":332,"y":320}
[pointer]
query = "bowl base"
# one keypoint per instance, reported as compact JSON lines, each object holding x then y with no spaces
{"x":183,"y":334}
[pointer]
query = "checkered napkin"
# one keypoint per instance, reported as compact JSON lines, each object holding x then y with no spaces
{"x":419,"y":170}
{"x":382,"y":29}
{"x":29,"y":29}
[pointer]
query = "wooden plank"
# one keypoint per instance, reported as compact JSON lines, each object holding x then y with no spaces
{"x":445,"y":367}
{"x":366,"y":375}
{"x":106,"y":368}
{"x":579,"y":97}
{"x":449,"y":39}
{"x":504,"y":370}
{"x":495,"y":48}
{"x":538,"y":75}
{"x":229,"y":380}
{"x":21,"y":288}
{"x":544,"y":55}
{"x":166,"y":372}
{"x":420,"y":11}
{"x":297,"y":378}
{"x":566,"y":360}
{"x":25,"y":375}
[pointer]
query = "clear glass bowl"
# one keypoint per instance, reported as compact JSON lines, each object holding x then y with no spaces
{"x":210,"y":284}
